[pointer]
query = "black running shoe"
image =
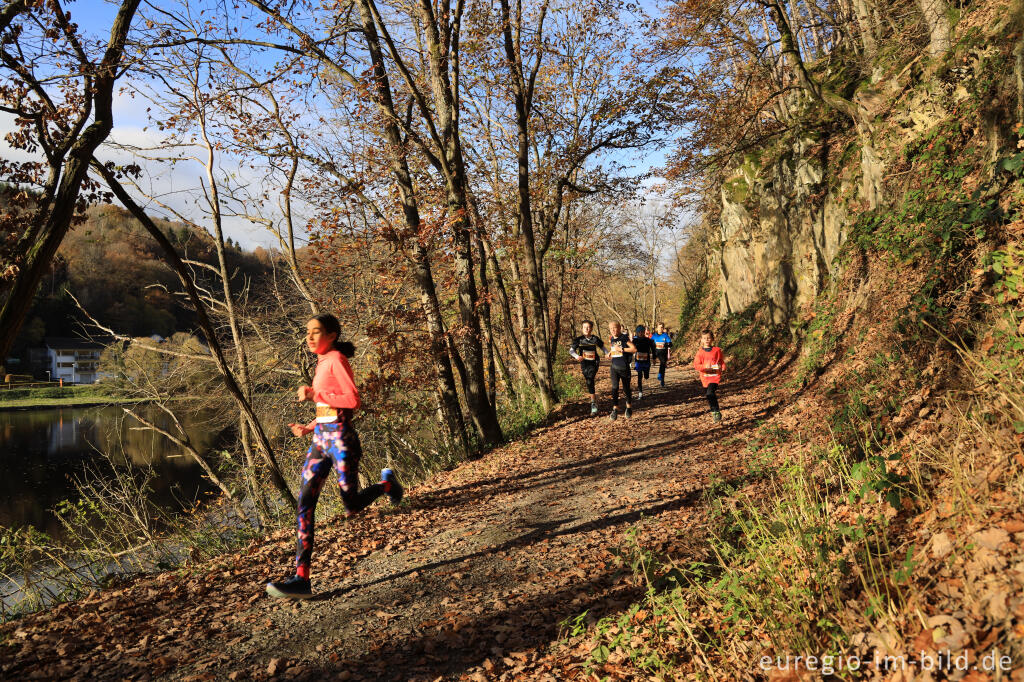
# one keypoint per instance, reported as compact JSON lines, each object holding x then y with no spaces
{"x":293,"y":588}
{"x":614,"y":415}
{"x":629,"y":412}
{"x":396,"y":490}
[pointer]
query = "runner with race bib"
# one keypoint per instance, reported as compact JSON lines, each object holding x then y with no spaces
{"x":642,"y":359}
{"x":620,"y":350}
{"x":662,"y":350}
{"x":584,"y":350}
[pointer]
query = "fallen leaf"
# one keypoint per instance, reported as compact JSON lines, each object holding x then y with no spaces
{"x":992,"y":538}
{"x":941,"y":545}
{"x":1014,"y":526}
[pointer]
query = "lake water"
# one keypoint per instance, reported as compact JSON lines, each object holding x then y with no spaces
{"x":42,"y":451}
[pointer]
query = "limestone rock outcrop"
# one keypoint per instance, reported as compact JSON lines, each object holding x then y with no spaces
{"x":781,"y":228}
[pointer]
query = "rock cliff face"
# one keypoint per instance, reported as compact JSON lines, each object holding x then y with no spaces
{"x":784,"y":218}
{"x":781,"y":229}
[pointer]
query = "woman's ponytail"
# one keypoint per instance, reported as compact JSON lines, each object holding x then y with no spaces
{"x":329,"y":323}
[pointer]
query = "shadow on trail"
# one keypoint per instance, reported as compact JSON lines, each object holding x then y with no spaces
{"x":453,"y":647}
{"x":544,"y":530}
{"x":597,"y":466}
{"x":605,"y":465}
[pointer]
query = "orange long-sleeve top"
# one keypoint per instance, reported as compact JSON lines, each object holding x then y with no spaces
{"x":705,"y":360}
{"x":334,"y":383}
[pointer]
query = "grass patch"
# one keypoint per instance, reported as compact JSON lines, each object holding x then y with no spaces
{"x":43,"y":394}
{"x":751,"y":337}
{"x":520,"y":415}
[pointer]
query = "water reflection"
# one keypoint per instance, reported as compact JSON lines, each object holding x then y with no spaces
{"x":42,"y":451}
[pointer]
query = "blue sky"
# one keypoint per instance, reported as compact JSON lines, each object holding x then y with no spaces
{"x":133,"y":127}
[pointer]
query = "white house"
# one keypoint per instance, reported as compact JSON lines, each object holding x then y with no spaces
{"x":76,"y":361}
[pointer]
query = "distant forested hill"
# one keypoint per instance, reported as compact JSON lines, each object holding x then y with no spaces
{"x":114,"y":269}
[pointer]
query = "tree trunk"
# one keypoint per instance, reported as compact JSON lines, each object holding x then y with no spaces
{"x":452,"y":422}
{"x":936,"y":17}
{"x":485,"y":319}
{"x":62,"y":208}
{"x":481,"y":410}
{"x":542,"y":365}
{"x":866,"y":27}
{"x":506,"y":313}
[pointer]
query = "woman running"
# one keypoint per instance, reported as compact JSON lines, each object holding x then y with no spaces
{"x":710,"y":365}
{"x":335,"y":444}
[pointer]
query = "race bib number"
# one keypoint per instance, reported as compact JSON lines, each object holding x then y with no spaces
{"x":616,"y":350}
{"x":660,"y":345}
{"x":325,"y":414}
{"x":641,"y":357}
{"x":712,"y":369}
{"x":590,"y":355}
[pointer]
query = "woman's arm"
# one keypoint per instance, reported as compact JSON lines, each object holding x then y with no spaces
{"x":300,"y":430}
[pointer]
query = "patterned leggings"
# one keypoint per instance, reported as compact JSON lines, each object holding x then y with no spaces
{"x":334,"y":445}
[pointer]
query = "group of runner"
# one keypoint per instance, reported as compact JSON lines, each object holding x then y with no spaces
{"x":637,"y":352}
{"x":335,"y":444}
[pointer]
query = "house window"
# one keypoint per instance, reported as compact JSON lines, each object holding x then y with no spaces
{"x":65,"y":364}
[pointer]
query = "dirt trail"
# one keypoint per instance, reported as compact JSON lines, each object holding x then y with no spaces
{"x":470,"y":578}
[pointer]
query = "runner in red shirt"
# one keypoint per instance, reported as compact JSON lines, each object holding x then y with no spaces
{"x":710,"y":365}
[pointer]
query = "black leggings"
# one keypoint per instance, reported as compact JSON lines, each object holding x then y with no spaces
{"x":621,"y":374}
{"x":662,"y":356}
{"x":589,"y":374}
{"x":711,"y":393}
{"x":643,"y":371}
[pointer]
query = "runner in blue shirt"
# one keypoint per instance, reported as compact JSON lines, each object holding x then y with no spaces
{"x":662,"y":350}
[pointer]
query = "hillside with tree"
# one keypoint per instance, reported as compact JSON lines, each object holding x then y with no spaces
{"x":109,"y":269}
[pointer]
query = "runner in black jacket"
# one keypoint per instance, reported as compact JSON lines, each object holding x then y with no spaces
{"x":642,"y":359}
{"x":584,"y":349}
{"x":620,"y":350}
